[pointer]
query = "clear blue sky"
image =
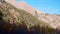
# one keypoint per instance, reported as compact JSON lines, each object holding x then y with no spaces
{"x":46,"y":6}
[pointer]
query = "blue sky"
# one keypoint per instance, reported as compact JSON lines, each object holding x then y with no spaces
{"x":46,"y":6}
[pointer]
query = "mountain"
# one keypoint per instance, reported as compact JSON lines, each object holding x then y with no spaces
{"x":23,"y":5}
{"x":53,"y":20}
{"x":18,"y":21}
{"x":15,"y":20}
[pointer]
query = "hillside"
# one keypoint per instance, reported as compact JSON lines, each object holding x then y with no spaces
{"x":25,"y":6}
{"x":12,"y":14}
{"x":18,"y":21}
{"x":53,"y":20}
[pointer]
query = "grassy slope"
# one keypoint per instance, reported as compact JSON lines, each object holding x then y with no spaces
{"x":22,"y":19}
{"x":23,"y":14}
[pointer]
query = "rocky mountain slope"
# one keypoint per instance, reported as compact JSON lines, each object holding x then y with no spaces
{"x":18,"y":21}
{"x":23,"y":5}
{"x":53,"y":20}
